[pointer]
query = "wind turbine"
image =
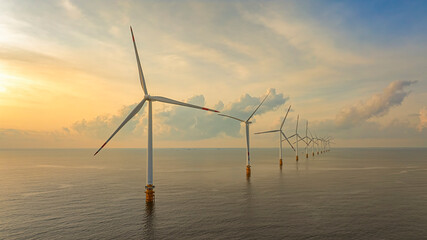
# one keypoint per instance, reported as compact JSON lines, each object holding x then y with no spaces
{"x":247,"y":122}
{"x":322,"y":149}
{"x":317,"y":143}
{"x":307,"y":143}
{"x":281,"y":133}
{"x":296,"y":139}
{"x":149,"y":187}
{"x":312,"y":145}
{"x":328,"y":144}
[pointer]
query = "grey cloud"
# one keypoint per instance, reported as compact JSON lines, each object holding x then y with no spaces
{"x":247,"y":104}
{"x":369,"y":130}
{"x":187,"y":124}
{"x":377,"y":105}
{"x":180,"y":122}
{"x":103,"y":126}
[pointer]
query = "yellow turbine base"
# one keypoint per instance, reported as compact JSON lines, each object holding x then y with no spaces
{"x":306,"y":155}
{"x":280,"y":162}
{"x":149,"y":193}
{"x":313,"y":154}
{"x":248,"y":170}
{"x":297,"y":158}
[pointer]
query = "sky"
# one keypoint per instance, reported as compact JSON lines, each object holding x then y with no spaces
{"x":355,"y":70}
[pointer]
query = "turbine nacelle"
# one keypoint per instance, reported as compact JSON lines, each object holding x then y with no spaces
{"x":147,"y":97}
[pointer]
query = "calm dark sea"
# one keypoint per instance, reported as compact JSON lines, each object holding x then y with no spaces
{"x":204,"y":194}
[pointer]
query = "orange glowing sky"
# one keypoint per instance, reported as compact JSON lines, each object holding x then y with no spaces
{"x":68,"y":73}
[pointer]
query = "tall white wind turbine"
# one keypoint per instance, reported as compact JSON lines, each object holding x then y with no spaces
{"x":281,"y":134}
{"x":147,"y":98}
{"x":247,"y":122}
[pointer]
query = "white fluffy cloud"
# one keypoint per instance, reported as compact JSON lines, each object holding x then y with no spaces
{"x":179,"y":123}
{"x":101,"y":125}
{"x":377,"y":105}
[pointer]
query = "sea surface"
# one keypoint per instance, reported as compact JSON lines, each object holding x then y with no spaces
{"x":371,"y":193}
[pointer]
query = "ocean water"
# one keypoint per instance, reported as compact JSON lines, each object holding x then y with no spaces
{"x":204,"y":194}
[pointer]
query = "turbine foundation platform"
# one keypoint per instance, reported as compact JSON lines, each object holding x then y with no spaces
{"x":306,"y":155}
{"x":149,"y":193}
{"x":280,"y":162}
{"x":248,"y":171}
{"x":313,"y":154}
{"x":297,"y":158}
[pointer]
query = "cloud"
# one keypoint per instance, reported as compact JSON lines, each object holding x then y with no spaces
{"x":15,"y":138}
{"x":103,"y":126}
{"x":397,"y":133}
{"x":308,"y":36}
{"x":377,"y":105}
{"x":180,"y":123}
{"x":187,"y":124}
{"x":423,"y":119}
{"x":71,"y":9}
{"x":247,"y":104}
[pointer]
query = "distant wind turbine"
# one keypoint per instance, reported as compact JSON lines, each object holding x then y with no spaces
{"x":149,"y":187}
{"x":296,"y":139}
{"x":247,"y":122}
{"x":281,"y":133}
{"x":307,"y":142}
{"x":313,"y":141}
{"x":317,"y":143}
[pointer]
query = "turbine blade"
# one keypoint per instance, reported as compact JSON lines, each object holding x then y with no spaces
{"x":231,"y":117}
{"x":304,"y":141}
{"x":131,"y":114}
{"x":300,"y":139}
{"x":281,"y":126}
{"x":258,"y":107}
{"x":141,"y":74}
{"x":306,"y":128}
{"x":297,"y":124}
{"x":267,"y":131}
{"x":171,"y":101}
{"x":287,"y":140}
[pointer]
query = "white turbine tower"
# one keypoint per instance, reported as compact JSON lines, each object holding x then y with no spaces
{"x":149,"y":187}
{"x":312,"y":145}
{"x":247,"y":122}
{"x":281,"y":133}
{"x":317,"y":143}
{"x":296,"y":139}
{"x":307,"y":142}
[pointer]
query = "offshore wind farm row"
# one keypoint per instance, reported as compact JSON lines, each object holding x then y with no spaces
{"x":321,"y":144}
{"x":144,"y":119}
